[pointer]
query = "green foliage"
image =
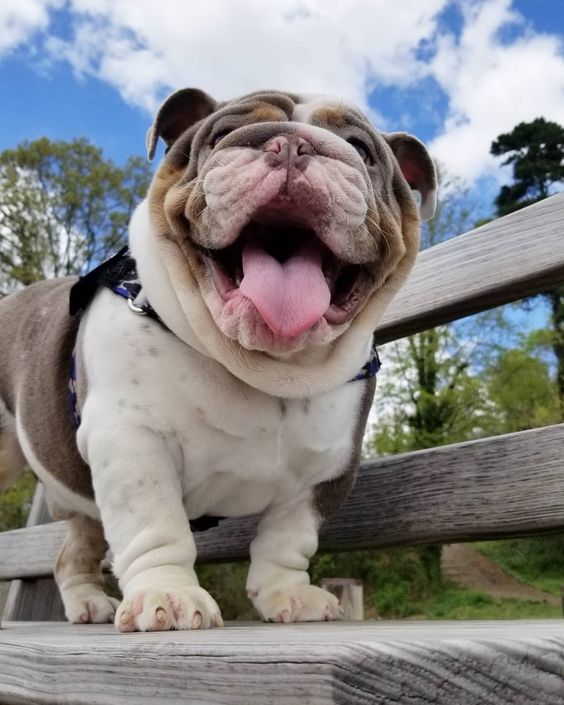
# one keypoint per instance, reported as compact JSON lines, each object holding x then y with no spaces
{"x":429,"y":397}
{"x":397,"y":586}
{"x":394,"y":581}
{"x":63,"y":208}
{"x":226,"y":582}
{"x":15,"y":502}
{"x":536,"y":150}
{"x":457,"y":603}
{"x":523,"y":393}
{"x":538,"y":561}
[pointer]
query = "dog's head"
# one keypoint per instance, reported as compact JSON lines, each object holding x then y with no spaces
{"x":295,"y":218}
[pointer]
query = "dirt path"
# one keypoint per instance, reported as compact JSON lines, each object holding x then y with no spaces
{"x":467,"y":567}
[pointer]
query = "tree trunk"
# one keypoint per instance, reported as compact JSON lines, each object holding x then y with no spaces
{"x":556,"y":300}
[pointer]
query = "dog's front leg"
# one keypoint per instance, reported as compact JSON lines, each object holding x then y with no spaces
{"x":139,"y":494}
{"x":278,"y":583}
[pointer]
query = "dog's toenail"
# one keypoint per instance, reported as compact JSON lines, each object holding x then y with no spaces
{"x":160,"y":614}
{"x":197,"y":620}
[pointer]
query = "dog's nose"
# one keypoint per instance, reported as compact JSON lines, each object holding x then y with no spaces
{"x":289,"y":148}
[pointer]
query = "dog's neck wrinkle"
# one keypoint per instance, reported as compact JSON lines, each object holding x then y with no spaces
{"x":155,"y":281}
{"x":305,"y":374}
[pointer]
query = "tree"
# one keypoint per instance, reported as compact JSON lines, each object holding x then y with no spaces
{"x":536,"y":150}
{"x":427,"y":395}
{"x":63,"y":208}
{"x":520,"y":387}
{"x":430,"y":396}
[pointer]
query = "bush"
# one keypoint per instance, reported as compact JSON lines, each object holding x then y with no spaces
{"x":15,"y":502}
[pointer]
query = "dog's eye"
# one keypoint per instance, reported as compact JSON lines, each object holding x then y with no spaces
{"x":362,"y":149}
{"x":219,"y":135}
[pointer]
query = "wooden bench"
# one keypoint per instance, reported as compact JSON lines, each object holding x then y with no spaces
{"x":498,"y":487}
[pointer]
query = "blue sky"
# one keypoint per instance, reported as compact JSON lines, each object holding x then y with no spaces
{"x":453,"y":72}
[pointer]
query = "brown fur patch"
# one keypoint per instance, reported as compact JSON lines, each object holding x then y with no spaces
{"x":82,"y":552}
{"x":165,"y":178}
{"x":331,"y":116}
{"x":266,"y":112}
{"x":38,"y":339}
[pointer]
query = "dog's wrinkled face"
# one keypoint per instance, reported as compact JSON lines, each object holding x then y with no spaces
{"x":291,"y":212}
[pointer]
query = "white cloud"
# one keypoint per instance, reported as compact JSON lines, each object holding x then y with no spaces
{"x":145,"y":48}
{"x":20,"y":19}
{"x":492,"y":85}
{"x":229,"y":48}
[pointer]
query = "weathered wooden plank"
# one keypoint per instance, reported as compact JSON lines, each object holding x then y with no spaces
{"x":505,"y":486}
{"x":356,"y":663}
{"x":30,"y":552}
{"x":505,"y":260}
{"x":34,"y":599}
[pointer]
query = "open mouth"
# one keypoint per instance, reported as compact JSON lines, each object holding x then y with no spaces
{"x":293,"y":279}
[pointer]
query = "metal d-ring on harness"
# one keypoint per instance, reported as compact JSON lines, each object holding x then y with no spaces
{"x":134,"y":308}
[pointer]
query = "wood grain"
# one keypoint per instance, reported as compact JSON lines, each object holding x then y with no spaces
{"x":499,"y":487}
{"x":505,"y":260}
{"x":356,"y":663}
{"x":34,"y":599}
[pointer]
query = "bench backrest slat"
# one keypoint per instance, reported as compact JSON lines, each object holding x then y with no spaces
{"x":516,"y":256}
{"x":506,"y":486}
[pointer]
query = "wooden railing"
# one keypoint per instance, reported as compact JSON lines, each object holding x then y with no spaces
{"x":506,"y":486}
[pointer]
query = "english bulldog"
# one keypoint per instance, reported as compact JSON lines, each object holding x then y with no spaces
{"x":275,"y":232}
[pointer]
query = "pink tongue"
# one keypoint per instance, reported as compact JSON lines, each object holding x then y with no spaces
{"x":290,"y":296}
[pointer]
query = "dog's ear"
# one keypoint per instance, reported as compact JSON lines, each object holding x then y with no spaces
{"x":179,"y":111}
{"x":417,"y":167}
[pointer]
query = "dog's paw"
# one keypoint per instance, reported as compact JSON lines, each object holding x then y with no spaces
{"x":158,"y":610}
{"x":298,"y":603}
{"x":83,"y":606}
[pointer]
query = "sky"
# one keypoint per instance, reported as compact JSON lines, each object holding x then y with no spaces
{"x":456,"y":73}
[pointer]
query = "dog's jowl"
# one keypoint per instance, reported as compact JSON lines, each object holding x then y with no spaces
{"x":222,"y":366}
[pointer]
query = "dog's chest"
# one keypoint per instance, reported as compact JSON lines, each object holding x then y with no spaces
{"x":236,"y":449}
{"x":242,"y":451}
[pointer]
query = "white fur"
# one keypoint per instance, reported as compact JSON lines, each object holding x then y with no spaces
{"x":170,"y":434}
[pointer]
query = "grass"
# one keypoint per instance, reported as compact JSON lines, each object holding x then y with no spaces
{"x":458,"y":603}
{"x":536,"y":561}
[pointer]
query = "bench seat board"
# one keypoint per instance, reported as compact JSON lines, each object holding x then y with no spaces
{"x":445,"y":663}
